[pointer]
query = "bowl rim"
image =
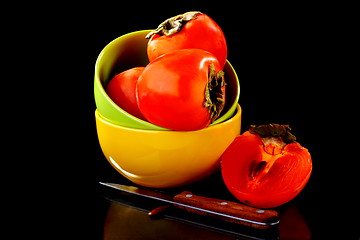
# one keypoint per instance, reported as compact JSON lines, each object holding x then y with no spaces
{"x":140,"y":123}
{"x":237,"y":114}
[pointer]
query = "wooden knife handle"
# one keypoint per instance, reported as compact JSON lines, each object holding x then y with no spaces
{"x":239,"y":210}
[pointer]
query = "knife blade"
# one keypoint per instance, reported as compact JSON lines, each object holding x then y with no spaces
{"x":225,"y":210}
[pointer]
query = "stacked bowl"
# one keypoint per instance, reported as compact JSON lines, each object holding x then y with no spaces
{"x":147,"y":154}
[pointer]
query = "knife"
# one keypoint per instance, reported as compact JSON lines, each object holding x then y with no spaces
{"x":225,"y":210}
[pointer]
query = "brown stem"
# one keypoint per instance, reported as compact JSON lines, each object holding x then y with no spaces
{"x":215,"y":93}
{"x":273,"y":130}
{"x":274,"y":136}
{"x":173,"y":25}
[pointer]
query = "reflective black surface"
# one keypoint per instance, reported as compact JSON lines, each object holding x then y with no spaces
{"x":290,"y":70}
{"x":308,"y":216}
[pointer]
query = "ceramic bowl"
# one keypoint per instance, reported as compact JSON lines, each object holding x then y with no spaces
{"x":164,"y":159}
{"x":129,"y":51}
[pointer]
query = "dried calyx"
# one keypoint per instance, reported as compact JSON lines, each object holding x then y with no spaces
{"x":215,"y":92}
{"x":173,"y":25}
{"x":274,"y":136}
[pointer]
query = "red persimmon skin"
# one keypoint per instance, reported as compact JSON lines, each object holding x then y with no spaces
{"x":171,"y":89}
{"x":271,"y":185}
{"x":122,"y":90}
{"x":201,"y":33}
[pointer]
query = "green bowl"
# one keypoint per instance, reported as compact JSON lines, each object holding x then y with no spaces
{"x":129,"y":51}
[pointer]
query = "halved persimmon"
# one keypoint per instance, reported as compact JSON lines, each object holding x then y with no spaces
{"x":265,"y":167}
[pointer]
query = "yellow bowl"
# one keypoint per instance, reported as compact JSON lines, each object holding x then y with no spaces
{"x":163,"y":159}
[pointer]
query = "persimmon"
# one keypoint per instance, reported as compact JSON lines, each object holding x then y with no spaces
{"x":182,"y":90}
{"x":265,"y":167}
{"x":186,"y":31}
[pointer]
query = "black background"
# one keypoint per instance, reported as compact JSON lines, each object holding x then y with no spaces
{"x":290,"y":63}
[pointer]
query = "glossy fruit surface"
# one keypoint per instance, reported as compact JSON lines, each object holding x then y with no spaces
{"x":122,"y":90}
{"x":265,"y":167}
{"x":186,"y":31}
{"x":182,"y":90}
